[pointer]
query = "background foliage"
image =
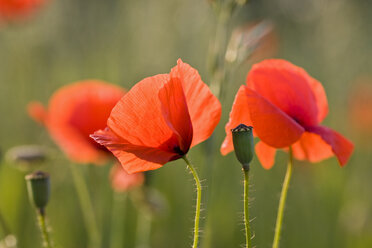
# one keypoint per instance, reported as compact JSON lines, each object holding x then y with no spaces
{"x":125,"y":41}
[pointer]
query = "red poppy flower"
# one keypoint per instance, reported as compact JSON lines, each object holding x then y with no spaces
{"x":10,"y":9}
{"x":160,"y":118}
{"x":361,"y":105}
{"x":285,"y":106}
{"x":75,"y":111}
{"x":121,"y":181}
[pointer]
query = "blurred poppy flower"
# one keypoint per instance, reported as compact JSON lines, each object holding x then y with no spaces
{"x":160,"y":118}
{"x":285,"y":106}
{"x":121,"y":181}
{"x":11,"y":9}
{"x":74,"y":112}
{"x":361,"y":105}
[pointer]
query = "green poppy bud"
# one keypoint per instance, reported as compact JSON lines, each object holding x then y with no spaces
{"x":242,"y":137}
{"x":38,"y":186}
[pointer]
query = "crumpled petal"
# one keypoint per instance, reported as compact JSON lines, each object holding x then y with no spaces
{"x":204,"y":107}
{"x":239,"y":114}
{"x":176,"y":114}
{"x":341,"y":147}
{"x":287,"y":87}
{"x":272,"y":126}
{"x":133,"y":158}
{"x":265,"y":154}
{"x":311,"y":147}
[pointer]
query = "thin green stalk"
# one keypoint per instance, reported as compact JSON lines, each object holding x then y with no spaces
{"x":86,"y":207}
{"x":198,"y":201}
{"x":246,"y":209}
{"x":44,"y":229}
{"x":143,"y":228}
{"x":4,"y":226}
{"x":117,"y":220}
{"x":283,"y":197}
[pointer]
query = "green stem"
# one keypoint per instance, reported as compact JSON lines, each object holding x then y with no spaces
{"x":198,"y":201}
{"x":86,"y":207}
{"x":43,"y":228}
{"x":4,"y":226}
{"x":143,"y":228}
{"x":283,"y":197}
{"x":118,"y":220}
{"x":246,"y":209}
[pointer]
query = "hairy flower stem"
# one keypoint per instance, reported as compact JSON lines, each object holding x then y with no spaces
{"x":198,"y":201}
{"x":43,"y":228}
{"x":86,"y":207}
{"x":283,"y":197}
{"x":246,"y":209}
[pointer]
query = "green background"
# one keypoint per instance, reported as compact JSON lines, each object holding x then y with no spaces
{"x":124,"y":41}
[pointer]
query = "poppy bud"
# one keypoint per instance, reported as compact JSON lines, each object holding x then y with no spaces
{"x":38,"y":186}
{"x":243,"y":144}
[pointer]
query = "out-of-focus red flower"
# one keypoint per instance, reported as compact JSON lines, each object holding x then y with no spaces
{"x":285,"y":106}
{"x":160,"y":118}
{"x":74,"y":112}
{"x":361,"y":105}
{"x":121,"y":181}
{"x":12,"y":9}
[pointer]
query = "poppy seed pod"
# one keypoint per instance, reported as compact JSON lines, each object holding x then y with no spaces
{"x":38,"y":186}
{"x":242,"y":137}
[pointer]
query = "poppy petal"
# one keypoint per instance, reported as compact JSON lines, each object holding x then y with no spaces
{"x":75,"y":145}
{"x":239,"y":114}
{"x":272,"y":125}
{"x":265,"y":154}
{"x":121,"y":181}
{"x":77,"y":110}
{"x":84,"y":105}
{"x":138,"y":117}
{"x":133,"y":158}
{"x":285,"y":86}
{"x":37,"y":112}
{"x":175,"y":112}
{"x":204,"y":107}
{"x":311,"y":147}
{"x":320,"y":97}
{"x":341,"y":146}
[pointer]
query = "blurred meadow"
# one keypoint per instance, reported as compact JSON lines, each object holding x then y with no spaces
{"x":123,"y":42}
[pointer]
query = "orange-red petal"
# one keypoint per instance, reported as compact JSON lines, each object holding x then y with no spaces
{"x":133,"y":158}
{"x":239,"y":114}
{"x":265,"y":154}
{"x":287,"y":87}
{"x":121,"y":181}
{"x":272,"y":125}
{"x":320,"y":97}
{"x":77,"y":147}
{"x":77,"y":110}
{"x":37,"y":112}
{"x":138,"y":116}
{"x":204,"y":107}
{"x":311,"y":147}
{"x":341,"y":147}
{"x":176,"y":114}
